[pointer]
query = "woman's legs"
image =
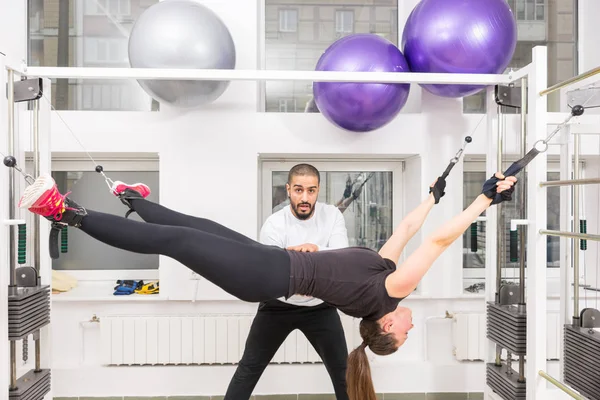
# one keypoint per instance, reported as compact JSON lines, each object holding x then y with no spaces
{"x":134,"y":197}
{"x":252,"y":272}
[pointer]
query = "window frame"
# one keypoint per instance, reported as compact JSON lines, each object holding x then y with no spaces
{"x":553,"y":165}
{"x":339,"y":28}
{"x":268,"y":165}
{"x":91,"y":53}
{"x":144,"y":162}
{"x":91,"y":8}
{"x":280,"y":18}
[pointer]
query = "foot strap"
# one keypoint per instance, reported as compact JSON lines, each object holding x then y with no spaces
{"x":53,"y":241}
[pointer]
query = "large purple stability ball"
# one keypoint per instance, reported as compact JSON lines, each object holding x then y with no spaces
{"x":361,"y":107}
{"x":459,"y":36}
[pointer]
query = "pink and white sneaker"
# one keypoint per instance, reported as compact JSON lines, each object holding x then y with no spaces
{"x":119,"y":188}
{"x":127,"y":193}
{"x":44,"y":199}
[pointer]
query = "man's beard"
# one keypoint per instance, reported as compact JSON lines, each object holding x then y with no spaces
{"x":303,"y":216}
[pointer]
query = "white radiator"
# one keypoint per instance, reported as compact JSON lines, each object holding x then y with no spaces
{"x":469,"y":336}
{"x":197,"y":339}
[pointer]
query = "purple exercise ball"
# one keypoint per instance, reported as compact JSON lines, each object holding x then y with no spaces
{"x":459,"y":36}
{"x":361,"y":107}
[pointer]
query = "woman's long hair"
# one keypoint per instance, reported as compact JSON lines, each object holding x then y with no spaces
{"x":358,"y":374}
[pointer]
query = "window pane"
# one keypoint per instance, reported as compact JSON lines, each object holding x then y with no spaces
{"x":288,"y":20}
{"x":89,"y":190}
{"x":365,"y":199}
{"x":474,"y":238}
{"x":89,"y":33}
{"x":318,"y":24}
{"x":550,"y":25}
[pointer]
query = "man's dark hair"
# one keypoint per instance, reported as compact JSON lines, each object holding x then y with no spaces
{"x":303,"y":170}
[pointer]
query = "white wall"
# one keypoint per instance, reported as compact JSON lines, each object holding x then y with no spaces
{"x":589,"y":51}
{"x":13,"y":31}
{"x":208,"y":158}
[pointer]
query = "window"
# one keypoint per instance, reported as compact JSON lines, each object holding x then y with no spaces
{"x":288,"y":20}
{"x":76,"y":174}
{"x":474,"y":238}
{"x":528,"y":10}
{"x":323,"y":22}
{"x":538,"y":28}
{"x":106,"y":96}
{"x":287,"y":105}
{"x":394,"y":21}
{"x":368,"y":194}
{"x":105,"y":50}
{"x":108,"y":7}
{"x":344,"y":21}
{"x":90,"y":33}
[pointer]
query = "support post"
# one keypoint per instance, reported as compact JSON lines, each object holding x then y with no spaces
{"x":536,"y":243}
{"x":576,"y":217}
{"x":524,"y":215}
{"x":566,"y":277}
{"x":491,"y":224}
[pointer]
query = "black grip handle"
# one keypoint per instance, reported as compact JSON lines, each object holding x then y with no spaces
{"x":53,"y":241}
{"x":474,"y":237}
{"x":64,"y":240}
{"x":22,"y":244}
{"x":514,"y":245}
{"x":583,"y":229}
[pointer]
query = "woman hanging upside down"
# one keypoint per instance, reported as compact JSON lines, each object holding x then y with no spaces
{"x":359,"y":281}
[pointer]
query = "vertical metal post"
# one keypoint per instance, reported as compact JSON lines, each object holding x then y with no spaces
{"x":12,"y":148}
{"x":491,"y":231}
{"x":566,"y":260}
{"x":576,"y":191}
{"x":499,"y":208}
{"x":36,"y":173}
{"x":36,"y":219}
{"x":537,"y":248}
{"x":522,"y":228}
{"x":499,"y":223}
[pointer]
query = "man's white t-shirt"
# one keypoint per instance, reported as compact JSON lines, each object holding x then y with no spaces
{"x":326,"y":229}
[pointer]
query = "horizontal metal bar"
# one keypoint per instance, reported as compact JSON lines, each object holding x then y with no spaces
{"x":573,"y":235}
{"x":561,"y":386}
{"x":570,"y":182}
{"x":520,"y":73}
{"x":264,"y":75}
{"x":14,"y":69}
{"x":575,"y":79}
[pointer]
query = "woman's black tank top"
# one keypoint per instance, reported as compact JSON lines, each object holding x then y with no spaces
{"x":351,"y":279}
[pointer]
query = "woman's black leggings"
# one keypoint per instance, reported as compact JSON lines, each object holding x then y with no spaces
{"x":242,"y":267}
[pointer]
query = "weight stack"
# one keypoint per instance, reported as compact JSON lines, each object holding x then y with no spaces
{"x":28,"y":310}
{"x":582,"y":360}
{"x":32,"y":386}
{"x":504,"y":384}
{"x":507,"y":327}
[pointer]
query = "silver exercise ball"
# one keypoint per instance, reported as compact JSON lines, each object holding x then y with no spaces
{"x":181,"y":34}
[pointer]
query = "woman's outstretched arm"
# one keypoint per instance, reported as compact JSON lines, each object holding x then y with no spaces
{"x":412,"y":222}
{"x":410,"y":225}
{"x":405,"y":279}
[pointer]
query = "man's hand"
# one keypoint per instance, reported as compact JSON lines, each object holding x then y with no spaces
{"x":304,"y":248}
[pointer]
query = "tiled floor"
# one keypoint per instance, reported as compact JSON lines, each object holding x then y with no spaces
{"x":384,"y":396}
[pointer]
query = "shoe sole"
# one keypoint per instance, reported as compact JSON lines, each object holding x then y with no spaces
{"x":33,"y":192}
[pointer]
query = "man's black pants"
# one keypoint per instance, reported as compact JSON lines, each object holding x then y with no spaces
{"x":274,"y":321}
